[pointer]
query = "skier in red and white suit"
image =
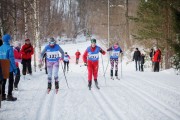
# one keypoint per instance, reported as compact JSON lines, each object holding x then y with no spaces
{"x":91,"y":58}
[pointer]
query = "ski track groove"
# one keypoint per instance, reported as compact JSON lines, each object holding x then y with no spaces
{"x":98,"y":99}
{"x":95,"y":98}
{"x":154,"y":102}
{"x":156,"y":93}
{"x":158,"y":84}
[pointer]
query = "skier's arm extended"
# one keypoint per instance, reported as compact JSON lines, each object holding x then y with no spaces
{"x":42,"y":53}
{"x":110,"y":49}
{"x":62,"y":52}
{"x":102,"y":51}
{"x":85,"y":56}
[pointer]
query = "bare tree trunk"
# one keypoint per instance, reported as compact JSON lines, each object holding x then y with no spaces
{"x":25,"y":20}
{"x":14,"y":21}
{"x":1,"y":20}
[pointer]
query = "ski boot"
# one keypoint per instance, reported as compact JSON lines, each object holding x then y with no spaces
{"x":96,"y":84}
{"x":112,"y":78}
{"x":117,"y":78}
{"x":56,"y":86}
{"x":49,"y":87}
{"x":89,"y":85}
{"x":11,"y":98}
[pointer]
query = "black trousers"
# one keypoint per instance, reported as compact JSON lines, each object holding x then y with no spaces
{"x":156,"y":66}
{"x":10,"y":86}
{"x":17,"y":78}
{"x":66,"y":63}
{"x":142,"y":67}
{"x":26,"y":65}
{"x":77,"y":60}
{"x":137,"y":65}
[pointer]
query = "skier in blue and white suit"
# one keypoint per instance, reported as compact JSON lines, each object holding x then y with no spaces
{"x":53,"y":57}
{"x":115,"y":50}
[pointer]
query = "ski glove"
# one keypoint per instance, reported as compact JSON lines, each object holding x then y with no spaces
{"x":85,"y":64}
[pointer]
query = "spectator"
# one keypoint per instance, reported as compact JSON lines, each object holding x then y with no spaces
{"x":137,"y":58}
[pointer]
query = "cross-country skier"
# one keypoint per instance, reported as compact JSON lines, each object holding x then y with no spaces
{"x":115,"y":50}
{"x":91,"y":60}
{"x":53,"y":57}
{"x":66,"y":61}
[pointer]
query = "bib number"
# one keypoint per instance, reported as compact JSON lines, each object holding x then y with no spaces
{"x":115,"y":53}
{"x":93,"y":56}
{"x":52,"y":55}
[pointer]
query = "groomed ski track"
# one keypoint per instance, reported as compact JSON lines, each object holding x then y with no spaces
{"x":136,"y":96}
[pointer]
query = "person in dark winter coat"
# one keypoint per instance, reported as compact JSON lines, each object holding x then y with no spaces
{"x":27,"y":51}
{"x":115,"y":51}
{"x":156,"y":59}
{"x":6,"y":52}
{"x":18,"y":58}
{"x":137,"y":58}
{"x":151,"y":54}
{"x":142,"y":62}
{"x":91,"y":60}
{"x":77,"y":56}
{"x":66,"y":61}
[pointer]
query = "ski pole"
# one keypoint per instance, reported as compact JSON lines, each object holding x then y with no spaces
{"x":106,"y":67}
{"x":64,"y":76}
{"x":121,"y":65}
{"x":103,"y":67}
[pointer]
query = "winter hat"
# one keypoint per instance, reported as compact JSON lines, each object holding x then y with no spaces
{"x":93,"y":40}
{"x":27,"y":39}
{"x":6,"y":38}
{"x":52,"y":41}
{"x":136,"y":48}
{"x":65,"y":52}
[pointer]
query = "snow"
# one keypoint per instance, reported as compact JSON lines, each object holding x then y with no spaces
{"x":137,"y":96}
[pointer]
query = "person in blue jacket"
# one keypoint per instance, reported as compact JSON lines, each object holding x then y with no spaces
{"x":52,"y":51}
{"x":6,"y":52}
{"x":114,"y":56}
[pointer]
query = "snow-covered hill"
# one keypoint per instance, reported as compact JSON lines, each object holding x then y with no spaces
{"x":137,"y":96}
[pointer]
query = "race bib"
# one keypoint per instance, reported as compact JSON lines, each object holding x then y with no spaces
{"x":93,"y":56}
{"x":115,"y":53}
{"x":53,"y":55}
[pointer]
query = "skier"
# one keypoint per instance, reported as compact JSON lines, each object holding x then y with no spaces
{"x":142,"y":61}
{"x":27,"y":51}
{"x":6,"y":52}
{"x":151,"y":54}
{"x":66,"y":62}
{"x":52,"y":55}
{"x":156,"y":59}
{"x":114,"y":59}
{"x":136,"y":57}
{"x":17,"y":56}
{"x":77,"y":56}
{"x":91,"y":58}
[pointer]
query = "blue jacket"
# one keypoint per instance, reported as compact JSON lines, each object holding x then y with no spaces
{"x":6,"y":52}
{"x":52,"y":53}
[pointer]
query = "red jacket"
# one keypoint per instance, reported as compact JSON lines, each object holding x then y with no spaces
{"x":17,"y":56}
{"x":157,"y":56}
{"x":27,"y":51}
{"x":92,"y":49}
{"x":77,"y":54}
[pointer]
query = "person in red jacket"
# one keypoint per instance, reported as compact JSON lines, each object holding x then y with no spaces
{"x":18,"y":58}
{"x":77,"y":56}
{"x":91,"y":58}
{"x":156,"y":59}
{"x":27,"y":51}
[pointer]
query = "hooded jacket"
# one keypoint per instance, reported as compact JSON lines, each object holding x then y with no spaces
{"x":6,"y":52}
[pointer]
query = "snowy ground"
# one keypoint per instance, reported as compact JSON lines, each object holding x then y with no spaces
{"x":137,"y":96}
